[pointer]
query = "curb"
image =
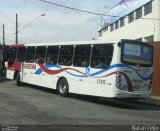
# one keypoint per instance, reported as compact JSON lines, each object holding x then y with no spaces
{"x":155,"y":97}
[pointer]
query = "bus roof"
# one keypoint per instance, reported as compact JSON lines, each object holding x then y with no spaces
{"x":113,"y":41}
{"x":16,"y":45}
{"x":73,"y":43}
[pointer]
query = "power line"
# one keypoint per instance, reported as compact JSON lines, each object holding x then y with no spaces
{"x":90,"y":12}
{"x":8,"y":39}
{"x":71,"y":8}
{"x":7,"y":17}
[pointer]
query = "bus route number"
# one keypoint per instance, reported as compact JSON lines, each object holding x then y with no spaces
{"x":100,"y":81}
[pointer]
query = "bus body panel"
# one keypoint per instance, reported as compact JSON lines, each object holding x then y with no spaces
{"x":134,"y":83}
{"x":81,"y":83}
{"x":10,"y":74}
{"x":140,"y":78}
{"x":93,"y":83}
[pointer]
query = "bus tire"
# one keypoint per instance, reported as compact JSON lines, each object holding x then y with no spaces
{"x":18,"y":81}
{"x":63,"y":87}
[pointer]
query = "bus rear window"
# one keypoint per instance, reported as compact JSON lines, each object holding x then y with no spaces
{"x":137,"y":54}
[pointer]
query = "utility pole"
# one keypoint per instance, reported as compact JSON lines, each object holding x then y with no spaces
{"x":16,"y":28}
{"x":3,"y":36}
{"x":17,"y":31}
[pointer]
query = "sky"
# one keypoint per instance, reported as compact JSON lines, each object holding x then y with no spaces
{"x":58,"y":24}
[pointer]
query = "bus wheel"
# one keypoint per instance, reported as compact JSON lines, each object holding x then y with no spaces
{"x":18,"y":82}
{"x":63,"y":87}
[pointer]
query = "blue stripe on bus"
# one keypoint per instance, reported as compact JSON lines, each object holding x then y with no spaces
{"x":39,"y":71}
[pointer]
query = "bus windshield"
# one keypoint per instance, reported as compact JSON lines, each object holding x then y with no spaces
{"x":137,"y":53}
{"x":12,"y":55}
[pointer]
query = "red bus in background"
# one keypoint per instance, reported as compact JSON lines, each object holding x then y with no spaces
{"x":13,"y":64}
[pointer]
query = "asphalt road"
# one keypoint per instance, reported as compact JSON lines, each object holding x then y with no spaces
{"x":28,"y":105}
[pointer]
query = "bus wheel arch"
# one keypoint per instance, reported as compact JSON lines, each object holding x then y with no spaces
{"x":62,"y":87}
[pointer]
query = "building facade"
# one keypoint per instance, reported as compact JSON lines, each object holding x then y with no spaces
{"x":131,"y":19}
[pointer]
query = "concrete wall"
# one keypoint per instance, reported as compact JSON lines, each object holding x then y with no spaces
{"x":156,"y":79}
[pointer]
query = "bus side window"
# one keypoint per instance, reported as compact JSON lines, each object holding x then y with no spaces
{"x":30,"y":54}
{"x":101,"y":56}
{"x":40,"y":54}
{"x":82,"y":55}
{"x":52,"y":54}
{"x":66,"y":55}
{"x":21,"y":54}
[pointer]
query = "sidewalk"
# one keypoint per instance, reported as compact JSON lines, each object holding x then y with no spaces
{"x":156,"y":97}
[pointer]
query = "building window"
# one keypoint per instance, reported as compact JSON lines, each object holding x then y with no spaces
{"x":100,"y":33}
{"x":138,"y":13}
{"x":122,"y":22}
{"x":116,"y":24}
{"x":112,"y":27}
{"x":131,"y":17}
{"x":149,"y":38}
{"x":148,"y":8}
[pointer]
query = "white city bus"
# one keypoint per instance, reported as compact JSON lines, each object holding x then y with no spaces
{"x":114,"y":69}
